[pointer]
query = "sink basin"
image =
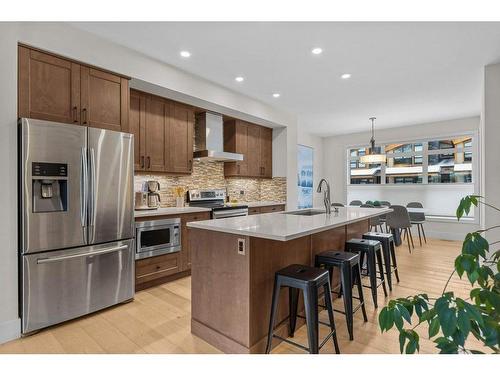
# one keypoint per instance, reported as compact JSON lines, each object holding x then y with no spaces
{"x":305,"y":212}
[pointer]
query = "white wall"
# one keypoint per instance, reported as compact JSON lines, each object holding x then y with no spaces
{"x":74,"y":43}
{"x":335,"y":163}
{"x":490,"y":130}
{"x":316,"y":143}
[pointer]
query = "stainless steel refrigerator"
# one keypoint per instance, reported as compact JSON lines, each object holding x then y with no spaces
{"x":76,"y":221}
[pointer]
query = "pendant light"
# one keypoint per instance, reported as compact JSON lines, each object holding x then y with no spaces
{"x":374,"y":156}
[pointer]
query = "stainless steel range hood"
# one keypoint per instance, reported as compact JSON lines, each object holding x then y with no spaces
{"x":209,"y":139}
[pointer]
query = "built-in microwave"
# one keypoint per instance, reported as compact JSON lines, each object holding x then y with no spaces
{"x":157,"y":237}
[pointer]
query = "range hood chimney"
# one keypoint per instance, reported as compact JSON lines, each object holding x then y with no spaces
{"x":209,"y":139}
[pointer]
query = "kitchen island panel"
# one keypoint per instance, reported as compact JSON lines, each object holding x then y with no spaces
{"x":220,"y":285}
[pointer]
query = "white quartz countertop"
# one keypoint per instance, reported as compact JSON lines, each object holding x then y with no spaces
{"x":263,"y":203}
{"x":281,"y":226}
{"x":169,"y":211}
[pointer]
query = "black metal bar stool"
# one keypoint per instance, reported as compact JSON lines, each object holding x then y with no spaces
{"x":372,"y":249}
{"x":308,"y":279}
{"x":350,"y":274}
{"x":388,"y":252}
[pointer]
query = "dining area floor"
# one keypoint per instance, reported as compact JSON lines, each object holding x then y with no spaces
{"x":158,"y":320}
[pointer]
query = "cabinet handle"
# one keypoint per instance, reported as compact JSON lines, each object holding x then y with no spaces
{"x":75,"y":117}
{"x":84,"y":115}
{"x":149,"y":163}
{"x":238,"y":167}
{"x":142,"y":161}
{"x":190,"y":164}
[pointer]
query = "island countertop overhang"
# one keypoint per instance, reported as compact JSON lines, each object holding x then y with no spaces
{"x":284,"y":226}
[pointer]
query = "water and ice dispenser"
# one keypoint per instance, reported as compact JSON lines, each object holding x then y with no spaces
{"x":50,"y":187}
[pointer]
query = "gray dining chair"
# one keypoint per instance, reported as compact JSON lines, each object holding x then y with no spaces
{"x":336,"y":204}
{"x":418,"y":219}
{"x":383,"y":217}
{"x":355,"y":203}
{"x":399,"y":220}
{"x":374,"y":221}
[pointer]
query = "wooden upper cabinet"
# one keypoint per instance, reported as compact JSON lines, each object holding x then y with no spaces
{"x":104,"y":98}
{"x":56,"y":89}
{"x":255,"y":143}
{"x":180,"y":138}
{"x":253,"y":153}
{"x":137,"y":126}
{"x":266,"y":152}
{"x":157,"y":114}
{"x":48,"y":87}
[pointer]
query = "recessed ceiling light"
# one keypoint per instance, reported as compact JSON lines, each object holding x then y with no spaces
{"x":185,"y":53}
{"x":239,"y":79}
{"x":345,"y":76}
{"x":276,"y":95}
{"x":317,"y":51}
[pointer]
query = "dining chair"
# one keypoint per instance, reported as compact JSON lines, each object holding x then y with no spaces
{"x":383,"y":217}
{"x":399,"y":220}
{"x":336,"y":204}
{"x":417,"y":218}
{"x":374,"y":221}
{"x":355,"y":203}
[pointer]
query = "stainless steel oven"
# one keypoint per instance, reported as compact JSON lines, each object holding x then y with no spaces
{"x":157,"y":237}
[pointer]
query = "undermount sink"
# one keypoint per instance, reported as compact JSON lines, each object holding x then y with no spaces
{"x":305,"y":212}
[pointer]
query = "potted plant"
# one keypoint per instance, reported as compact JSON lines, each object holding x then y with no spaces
{"x":450,"y":319}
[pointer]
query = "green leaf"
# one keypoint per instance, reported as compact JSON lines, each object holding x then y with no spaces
{"x":385,"y":319}
{"x":398,"y":320}
{"x":404,"y":313}
{"x":463,"y":322}
{"x":402,"y":339}
{"x":448,"y":321}
{"x":434,"y":327}
{"x":474,"y":313}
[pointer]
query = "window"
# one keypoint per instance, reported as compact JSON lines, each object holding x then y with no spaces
{"x":361,"y":173}
{"x":440,"y":161}
{"x":451,"y":163}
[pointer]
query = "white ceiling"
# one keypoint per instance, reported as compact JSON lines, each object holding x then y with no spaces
{"x":402,"y":73}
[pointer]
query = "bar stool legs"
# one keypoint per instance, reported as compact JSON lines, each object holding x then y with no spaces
{"x":309,"y":280}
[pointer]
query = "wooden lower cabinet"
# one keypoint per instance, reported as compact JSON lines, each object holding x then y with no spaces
{"x":253,"y":210}
{"x":275,"y":208}
{"x":164,"y":268}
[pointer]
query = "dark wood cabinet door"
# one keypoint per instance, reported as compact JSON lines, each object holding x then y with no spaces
{"x":180,"y":138}
{"x":186,"y":250}
{"x":156,"y":117}
{"x":266,"y":152}
{"x":235,"y":140}
{"x":104,"y":98}
{"x":48,"y":87}
{"x":253,"y":152}
{"x":137,"y":126}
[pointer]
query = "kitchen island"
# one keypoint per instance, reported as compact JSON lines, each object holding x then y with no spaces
{"x":233,"y":262}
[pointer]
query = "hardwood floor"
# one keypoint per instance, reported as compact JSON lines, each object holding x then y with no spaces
{"x":158,"y":320}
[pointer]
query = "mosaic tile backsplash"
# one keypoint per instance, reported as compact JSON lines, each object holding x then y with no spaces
{"x":210,"y":175}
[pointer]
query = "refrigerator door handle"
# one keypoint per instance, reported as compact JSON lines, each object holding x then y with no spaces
{"x":92,"y":197}
{"x":84,"y":193}
{"x":86,"y":254}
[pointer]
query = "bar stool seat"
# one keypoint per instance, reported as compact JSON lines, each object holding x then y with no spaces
{"x":388,"y":253}
{"x":308,"y":279}
{"x":350,"y":274}
{"x":372,"y":250}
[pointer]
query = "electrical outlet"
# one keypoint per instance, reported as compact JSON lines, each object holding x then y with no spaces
{"x":242,"y":192}
{"x":241,"y":246}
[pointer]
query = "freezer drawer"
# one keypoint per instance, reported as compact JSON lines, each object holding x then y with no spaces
{"x":65,"y":284}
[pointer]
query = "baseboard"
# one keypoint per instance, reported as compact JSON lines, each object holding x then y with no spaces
{"x":454,"y":236}
{"x":10,"y":330}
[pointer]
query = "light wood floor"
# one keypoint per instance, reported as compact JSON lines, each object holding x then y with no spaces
{"x":158,"y":320}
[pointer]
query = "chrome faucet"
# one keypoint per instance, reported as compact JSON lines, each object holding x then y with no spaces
{"x":326,"y":195}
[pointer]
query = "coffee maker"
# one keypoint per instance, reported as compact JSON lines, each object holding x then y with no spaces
{"x":153,"y":188}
